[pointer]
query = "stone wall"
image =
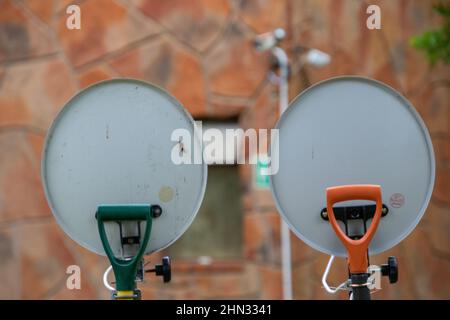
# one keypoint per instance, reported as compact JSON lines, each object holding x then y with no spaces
{"x":201,"y":51}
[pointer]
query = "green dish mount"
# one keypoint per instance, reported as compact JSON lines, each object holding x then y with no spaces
{"x":128,"y":270}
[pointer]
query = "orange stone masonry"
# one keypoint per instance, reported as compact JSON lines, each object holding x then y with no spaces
{"x":201,"y":52}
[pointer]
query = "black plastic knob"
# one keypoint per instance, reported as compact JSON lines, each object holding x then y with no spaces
{"x":164,"y":269}
{"x":390,"y":269}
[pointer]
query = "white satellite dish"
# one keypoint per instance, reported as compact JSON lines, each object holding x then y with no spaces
{"x":352,"y":131}
{"x":111,"y":144}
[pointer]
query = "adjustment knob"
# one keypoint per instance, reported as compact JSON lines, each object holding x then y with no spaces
{"x":390,"y":269}
{"x":163,"y":270}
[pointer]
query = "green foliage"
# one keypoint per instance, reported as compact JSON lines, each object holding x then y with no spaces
{"x":436,"y":43}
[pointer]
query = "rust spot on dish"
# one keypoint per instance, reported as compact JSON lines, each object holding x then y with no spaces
{"x":166,"y":194}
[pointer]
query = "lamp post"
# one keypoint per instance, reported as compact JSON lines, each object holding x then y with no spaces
{"x":270,"y":41}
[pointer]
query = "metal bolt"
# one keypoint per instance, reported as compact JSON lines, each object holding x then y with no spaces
{"x":156,"y":211}
{"x":324,"y":214}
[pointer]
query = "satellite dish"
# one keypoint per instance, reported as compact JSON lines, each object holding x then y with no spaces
{"x":111,"y":144}
{"x":352,"y":131}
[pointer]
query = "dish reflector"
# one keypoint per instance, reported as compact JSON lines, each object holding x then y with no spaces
{"x":345,"y":131}
{"x":111,"y":144}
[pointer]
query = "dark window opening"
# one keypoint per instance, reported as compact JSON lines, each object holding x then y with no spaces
{"x":217,"y":229}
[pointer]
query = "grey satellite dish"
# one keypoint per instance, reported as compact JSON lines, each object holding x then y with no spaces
{"x":111,"y":144}
{"x":352,"y":131}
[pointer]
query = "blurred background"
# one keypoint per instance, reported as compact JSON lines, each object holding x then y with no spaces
{"x":202,"y":52}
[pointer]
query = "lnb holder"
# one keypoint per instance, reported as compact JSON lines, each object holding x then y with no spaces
{"x":357,"y":245}
{"x":127,"y":270}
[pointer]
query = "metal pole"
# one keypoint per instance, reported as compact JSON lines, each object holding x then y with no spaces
{"x":283,"y":92}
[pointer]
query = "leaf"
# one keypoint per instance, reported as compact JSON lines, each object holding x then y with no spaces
{"x":436,"y":43}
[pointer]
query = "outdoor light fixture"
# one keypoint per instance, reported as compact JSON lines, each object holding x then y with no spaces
{"x":269,"y":40}
{"x":317,"y":58}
